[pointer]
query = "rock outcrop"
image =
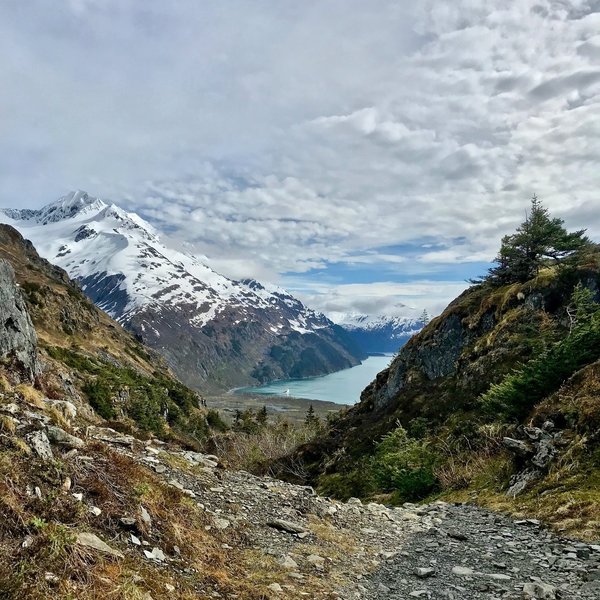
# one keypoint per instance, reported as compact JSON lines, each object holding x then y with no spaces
{"x":18,"y":340}
{"x":441,"y":373}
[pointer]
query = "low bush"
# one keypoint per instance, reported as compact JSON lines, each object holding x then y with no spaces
{"x":519,"y":392}
{"x":404,"y":466}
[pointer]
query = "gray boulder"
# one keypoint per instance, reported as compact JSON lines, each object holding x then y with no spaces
{"x":40,"y":444}
{"x":61,"y":437}
{"x":18,"y":339}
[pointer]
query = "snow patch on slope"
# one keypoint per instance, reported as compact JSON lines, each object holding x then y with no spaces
{"x":99,"y":244}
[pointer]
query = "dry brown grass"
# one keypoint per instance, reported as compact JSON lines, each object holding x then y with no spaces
{"x":31,"y":395}
{"x":119,"y":487}
{"x":7,"y":424}
{"x":253,"y":452}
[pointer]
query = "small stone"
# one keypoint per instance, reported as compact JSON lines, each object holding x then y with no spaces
{"x":95,"y":511}
{"x":463,"y":571}
{"x":543,"y":591}
{"x":287,"y":562}
{"x":222,"y":523}
{"x":156,"y":554}
{"x":457,"y":535}
{"x":275,"y":587}
{"x":287,"y":526}
{"x":135,"y":540}
{"x":78,"y":496}
{"x":170,"y":588}
{"x":145,"y":515}
{"x":159,"y":469}
{"x":316,"y":560}
{"x":66,"y":485}
{"x":61,"y":437}
{"x":127,"y":522}
{"x":424,"y":572}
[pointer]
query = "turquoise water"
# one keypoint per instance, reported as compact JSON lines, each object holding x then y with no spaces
{"x":342,"y":387}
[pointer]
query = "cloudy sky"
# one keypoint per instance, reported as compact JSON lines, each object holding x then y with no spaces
{"x":364,"y":154}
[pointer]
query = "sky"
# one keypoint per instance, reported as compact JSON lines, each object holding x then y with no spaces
{"x":366,"y":155}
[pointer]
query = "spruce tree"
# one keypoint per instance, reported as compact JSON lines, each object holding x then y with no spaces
{"x":539,"y":241}
{"x":311,"y":419}
{"x":261,"y":416}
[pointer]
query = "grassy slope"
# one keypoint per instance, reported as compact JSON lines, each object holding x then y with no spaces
{"x":446,"y":417}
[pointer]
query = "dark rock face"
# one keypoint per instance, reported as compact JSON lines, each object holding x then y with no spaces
{"x":237,"y":349}
{"x":481,"y":336}
{"x":18,"y":339}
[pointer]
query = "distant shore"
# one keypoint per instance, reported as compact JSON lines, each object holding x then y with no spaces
{"x":291,"y":408}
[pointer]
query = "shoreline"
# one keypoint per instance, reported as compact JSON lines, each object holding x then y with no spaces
{"x":289,"y":407}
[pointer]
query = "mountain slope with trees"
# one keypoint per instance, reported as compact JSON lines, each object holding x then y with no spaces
{"x":214,"y":332}
{"x":498,"y":394}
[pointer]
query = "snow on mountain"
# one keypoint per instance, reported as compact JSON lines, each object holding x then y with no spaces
{"x":88,"y":237}
{"x":380,"y":333}
{"x":122,"y":265}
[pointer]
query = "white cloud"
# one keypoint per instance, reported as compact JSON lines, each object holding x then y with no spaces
{"x":287,"y":137}
{"x":381,"y":297}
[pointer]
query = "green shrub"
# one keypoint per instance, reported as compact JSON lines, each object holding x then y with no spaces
{"x":519,"y":392}
{"x":215,"y":421}
{"x":99,"y":396}
{"x":404,"y":465}
{"x":358,"y":483}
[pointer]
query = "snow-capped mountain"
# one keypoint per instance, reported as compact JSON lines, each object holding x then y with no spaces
{"x":210,"y":328}
{"x":379,"y":333}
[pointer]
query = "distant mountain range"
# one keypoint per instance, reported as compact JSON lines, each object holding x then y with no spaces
{"x":380,"y":333}
{"x":214,"y":332}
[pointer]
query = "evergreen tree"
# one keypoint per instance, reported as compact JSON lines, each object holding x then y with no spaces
{"x":425,"y":318}
{"x":261,"y":416}
{"x":311,"y":419}
{"x":539,"y":241}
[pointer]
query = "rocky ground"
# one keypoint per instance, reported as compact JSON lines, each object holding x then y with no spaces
{"x":285,"y":540}
{"x":322,"y":548}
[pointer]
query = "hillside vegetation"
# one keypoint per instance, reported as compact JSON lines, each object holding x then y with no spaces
{"x":88,"y":359}
{"x":496,"y":400}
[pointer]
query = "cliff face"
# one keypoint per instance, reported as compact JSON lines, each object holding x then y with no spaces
{"x":443,"y":370}
{"x":85,"y":357}
{"x":18,"y":340}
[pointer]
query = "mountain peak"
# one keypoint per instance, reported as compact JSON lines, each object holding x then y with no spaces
{"x":74,"y":203}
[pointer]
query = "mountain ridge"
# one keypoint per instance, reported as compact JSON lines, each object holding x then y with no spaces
{"x":214,"y":331}
{"x":379,"y":333}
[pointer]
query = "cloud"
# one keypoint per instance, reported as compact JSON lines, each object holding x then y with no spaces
{"x":300,"y":138}
{"x":381,"y":297}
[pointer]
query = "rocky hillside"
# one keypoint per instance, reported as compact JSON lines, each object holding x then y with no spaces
{"x":214,"y":332}
{"x":460,"y":420}
{"x":68,"y":348}
{"x":94,"y":512}
{"x":379,"y":333}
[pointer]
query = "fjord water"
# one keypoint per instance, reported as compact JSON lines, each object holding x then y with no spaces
{"x":342,"y":387}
